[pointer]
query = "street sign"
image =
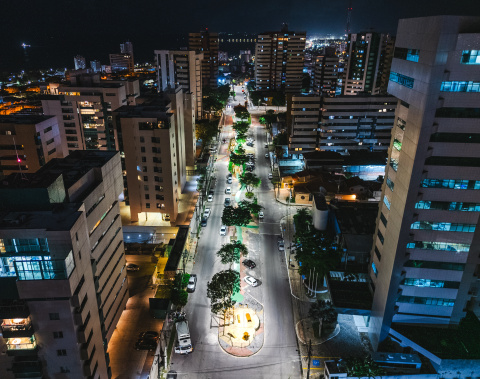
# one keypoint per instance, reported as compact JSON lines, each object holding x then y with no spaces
{"x":316,"y":362}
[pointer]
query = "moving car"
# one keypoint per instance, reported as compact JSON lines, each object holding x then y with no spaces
{"x":223,"y":230}
{"x":210,"y":198}
{"x":132,"y":267}
{"x":270,"y":176}
{"x":249,"y":263}
{"x":266,"y":145}
{"x":251,"y":281}
{"x":228,"y":190}
{"x":192,"y":283}
{"x":172,"y":374}
{"x":204,"y":221}
{"x":260,"y":214}
{"x":207,"y":213}
{"x":227,"y":202}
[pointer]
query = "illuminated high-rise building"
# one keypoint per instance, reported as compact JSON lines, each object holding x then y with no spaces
{"x":425,"y":261}
{"x":207,"y":43}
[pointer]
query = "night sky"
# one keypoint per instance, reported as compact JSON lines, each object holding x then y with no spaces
{"x":58,"y":30}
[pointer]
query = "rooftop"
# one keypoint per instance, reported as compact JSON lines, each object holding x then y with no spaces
{"x":356,"y":218}
{"x":23,"y":119}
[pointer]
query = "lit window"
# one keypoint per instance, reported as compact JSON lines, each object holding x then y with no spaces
{"x":470,"y":57}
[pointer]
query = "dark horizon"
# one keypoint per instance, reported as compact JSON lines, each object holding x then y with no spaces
{"x":64,"y":29}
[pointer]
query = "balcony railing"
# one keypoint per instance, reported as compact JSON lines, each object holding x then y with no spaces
{"x":12,"y":330}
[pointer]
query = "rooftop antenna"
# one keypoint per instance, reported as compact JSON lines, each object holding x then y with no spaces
{"x":349,"y":18}
{"x":22,"y":175}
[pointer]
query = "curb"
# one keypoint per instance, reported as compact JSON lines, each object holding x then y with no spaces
{"x":332,"y":335}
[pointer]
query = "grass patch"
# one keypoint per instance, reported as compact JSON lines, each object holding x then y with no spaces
{"x":447,"y":343}
{"x":230,"y":167}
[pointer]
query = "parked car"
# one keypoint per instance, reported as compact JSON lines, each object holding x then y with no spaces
{"x":172,"y":374}
{"x":132,"y":267}
{"x":204,"y":221}
{"x":227,"y":202}
{"x":192,"y":283}
{"x":281,"y":246}
{"x":148,"y":334}
{"x":207,"y":213}
{"x":270,"y":175}
{"x":229,"y":180}
{"x":251,"y":281}
{"x":249,"y":263}
{"x":267,"y":155}
{"x":210,"y":198}
{"x":266,"y":145}
{"x":229,"y":175}
{"x":146,"y":344}
{"x":223,"y":230}
{"x":228,"y":191}
{"x":166,"y":217}
{"x":260,"y":215}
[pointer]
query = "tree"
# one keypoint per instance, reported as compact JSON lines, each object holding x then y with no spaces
{"x":220,"y":289}
{"x":241,"y":112}
{"x":252,"y":207}
{"x":214,"y":99}
{"x":179,"y":297}
{"x":324,"y":312}
{"x":205,"y":130}
{"x":256,"y":97}
{"x":278,"y":99}
{"x":241,"y":127}
{"x":238,"y":216}
{"x":249,"y":181}
{"x":280,"y":139}
{"x":232,"y":94}
{"x":270,"y":117}
{"x":238,"y":159}
{"x":230,"y":252}
{"x":365,"y":367}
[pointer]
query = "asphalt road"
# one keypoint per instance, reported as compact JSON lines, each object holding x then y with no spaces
{"x":279,"y":357}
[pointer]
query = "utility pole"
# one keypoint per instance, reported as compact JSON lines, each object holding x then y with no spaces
{"x":309,"y":357}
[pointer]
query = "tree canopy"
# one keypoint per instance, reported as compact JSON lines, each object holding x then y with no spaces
{"x":238,"y":159}
{"x":236,"y":216}
{"x":315,"y":249}
{"x":365,"y":367}
{"x":323,"y":310}
{"x":214,"y":99}
{"x":280,"y":139}
{"x":205,"y":130}
{"x":250,"y":181}
{"x":256,"y":97}
{"x":269,"y":117}
{"x":230,"y":252}
{"x":241,"y":112}
{"x":241,"y":128}
{"x":221,"y":288}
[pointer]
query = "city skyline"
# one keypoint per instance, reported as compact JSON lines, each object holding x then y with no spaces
{"x":146,"y":32}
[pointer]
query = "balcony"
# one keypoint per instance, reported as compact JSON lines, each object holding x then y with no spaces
{"x":21,"y":346}
{"x":27,"y":367}
{"x":17,"y":327}
{"x":14,"y":311}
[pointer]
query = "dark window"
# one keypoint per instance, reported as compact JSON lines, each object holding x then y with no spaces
{"x":145,"y":178}
{"x":61,"y":352}
{"x":147,"y":196}
{"x":453,"y":161}
{"x":144,"y":169}
{"x":458,"y":112}
{"x":377,"y":253}
{"x":144,"y":159}
{"x":147,"y":205}
{"x":380,"y":237}
{"x":383,"y":219}
{"x":145,"y":188}
{"x":57,"y":334}
{"x":142,"y":139}
{"x":455,"y":137}
{"x":142,"y":149}
{"x":54,"y":316}
{"x":160,"y":197}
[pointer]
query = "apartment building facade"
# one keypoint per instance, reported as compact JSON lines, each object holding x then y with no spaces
{"x":341,"y":124}
{"x":181,"y":68}
{"x":27,"y":142}
{"x":424,"y":261}
{"x":325,"y":76}
{"x":148,"y":141}
{"x":367,"y":59}
{"x":279,"y":58}
{"x":62,"y":267}
{"x":207,"y":43}
{"x":84,"y":110}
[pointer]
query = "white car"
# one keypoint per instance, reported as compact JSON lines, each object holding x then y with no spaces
{"x":270,"y":176}
{"x":260,"y":214}
{"x":251,"y":281}
{"x":192,"y":283}
{"x":210,"y":198}
{"x":223,"y":230}
{"x":207,"y":212}
{"x":229,"y":180}
{"x":228,"y":191}
{"x":267,"y":155}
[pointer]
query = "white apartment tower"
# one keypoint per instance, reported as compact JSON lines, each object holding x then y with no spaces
{"x":425,"y":258}
{"x":62,"y":267}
